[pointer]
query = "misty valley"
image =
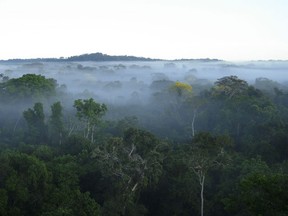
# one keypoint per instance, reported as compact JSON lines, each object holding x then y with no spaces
{"x":143,"y":137}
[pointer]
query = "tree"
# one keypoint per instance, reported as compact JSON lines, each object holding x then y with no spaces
{"x":131,"y":164}
{"x":265,"y":194}
{"x":29,"y":86}
{"x":184,"y":97}
{"x":195,"y":104}
{"x":230,"y":86}
{"x":37,"y":129}
{"x":267,"y":85}
{"x":206,"y":152}
{"x":90,"y":112}
{"x":56,"y":123}
{"x":118,"y":128}
{"x":181,"y":88}
{"x":65,"y":197}
{"x":24,"y":184}
{"x":259,"y":194}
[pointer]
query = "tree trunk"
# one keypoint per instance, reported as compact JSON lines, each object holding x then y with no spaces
{"x":60,"y":138}
{"x":92,"y":133}
{"x":88,"y":130}
{"x":192,"y":124}
{"x":16,"y":124}
{"x":202,"y":194}
{"x":71,"y":129}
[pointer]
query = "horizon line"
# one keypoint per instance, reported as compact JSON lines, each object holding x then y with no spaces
{"x":62,"y":58}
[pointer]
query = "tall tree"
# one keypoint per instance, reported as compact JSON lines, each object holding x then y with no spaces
{"x":35,"y":118}
{"x":181,"y":88}
{"x":206,"y":152}
{"x":230,"y":86}
{"x":56,"y":123}
{"x":28,"y":87}
{"x":132,"y":163}
{"x":90,"y":112}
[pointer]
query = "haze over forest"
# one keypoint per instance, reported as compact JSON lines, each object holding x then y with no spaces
{"x":186,"y":114}
{"x":121,"y":135}
{"x":119,"y":79}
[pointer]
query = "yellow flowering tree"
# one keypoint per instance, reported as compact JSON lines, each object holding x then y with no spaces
{"x":181,"y":88}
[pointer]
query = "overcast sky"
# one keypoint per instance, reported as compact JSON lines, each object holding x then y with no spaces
{"x":170,"y":29}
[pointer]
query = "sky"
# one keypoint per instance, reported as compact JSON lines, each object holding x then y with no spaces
{"x":166,"y":29}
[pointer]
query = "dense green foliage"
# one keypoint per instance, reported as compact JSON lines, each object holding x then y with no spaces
{"x":226,"y":145}
{"x":28,"y":87}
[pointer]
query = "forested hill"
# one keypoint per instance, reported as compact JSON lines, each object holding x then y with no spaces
{"x":104,"y":57}
{"x":99,"y":57}
{"x":86,"y":57}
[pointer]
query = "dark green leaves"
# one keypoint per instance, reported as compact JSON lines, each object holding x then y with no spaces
{"x":28,"y":87}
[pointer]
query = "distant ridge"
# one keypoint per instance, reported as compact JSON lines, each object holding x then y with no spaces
{"x":85,"y":57}
{"x":104,"y":57}
{"x":100,"y":57}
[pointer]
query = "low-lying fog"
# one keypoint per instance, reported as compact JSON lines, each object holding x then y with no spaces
{"x":121,"y":82}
